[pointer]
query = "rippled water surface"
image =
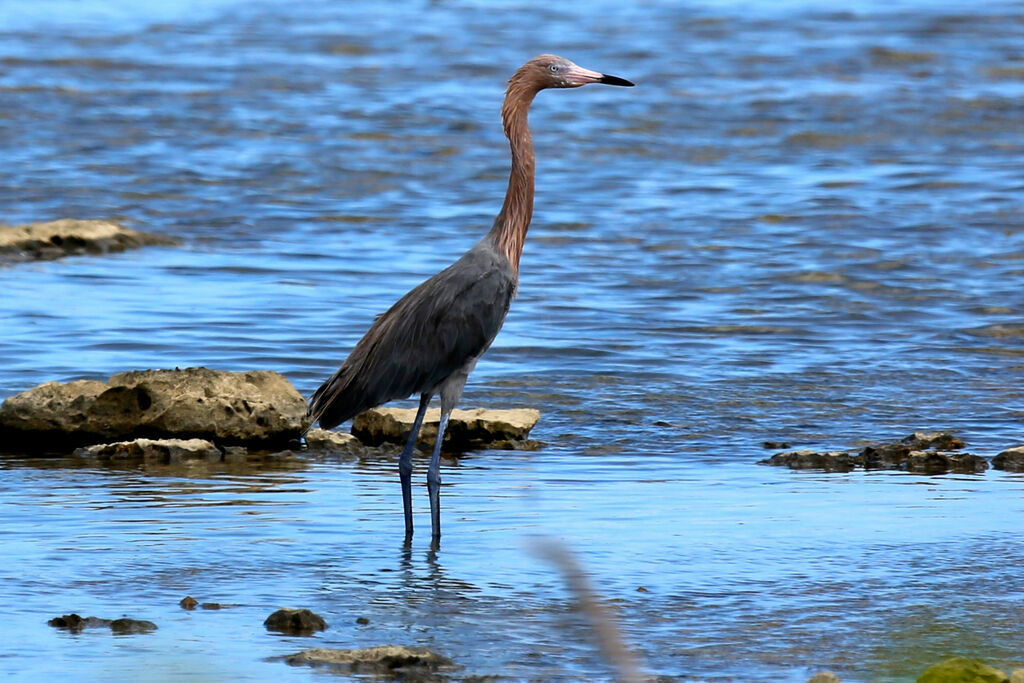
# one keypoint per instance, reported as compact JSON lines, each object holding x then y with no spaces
{"x":804,"y":224}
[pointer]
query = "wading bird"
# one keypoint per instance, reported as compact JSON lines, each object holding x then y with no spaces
{"x":431,"y":339}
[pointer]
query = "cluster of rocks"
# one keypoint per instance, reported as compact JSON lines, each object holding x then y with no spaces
{"x":208,"y":416}
{"x":68,"y":236}
{"x":392,"y":661}
{"x":922,"y":452}
{"x":123,"y":626}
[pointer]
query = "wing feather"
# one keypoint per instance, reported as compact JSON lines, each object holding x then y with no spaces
{"x":434,"y":330}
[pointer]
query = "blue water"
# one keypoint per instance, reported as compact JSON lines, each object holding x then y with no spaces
{"x":804,"y":224}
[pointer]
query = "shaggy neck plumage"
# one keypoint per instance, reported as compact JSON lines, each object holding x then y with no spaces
{"x":509,"y":231}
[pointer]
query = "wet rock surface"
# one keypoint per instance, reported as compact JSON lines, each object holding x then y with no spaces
{"x":962,"y":670}
{"x":395,"y":661}
{"x":162,"y":451}
{"x":922,"y":452}
{"x":467,"y":429}
{"x":326,"y":440}
{"x":258,"y":407}
{"x":123,"y":626}
{"x":302,"y":622}
{"x":1011,"y":460}
{"x":69,"y":236}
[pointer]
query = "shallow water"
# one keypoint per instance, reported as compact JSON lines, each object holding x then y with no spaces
{"x":804,"y":224}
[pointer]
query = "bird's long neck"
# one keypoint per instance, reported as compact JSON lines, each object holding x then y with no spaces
{"x":509,"y":231}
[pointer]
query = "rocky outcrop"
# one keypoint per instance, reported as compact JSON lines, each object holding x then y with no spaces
{"x":258,"y":407}
{"x":67,"y":236}
{"x":394,"y":661}
{"x":830,"y":461}
{"x":123,"y":626}
{"x":923,"y":452}
{"x":326,"y":440}
{"x":962,"y":670}
{"x":1011,"y":460}
{"x":301,"y":622}
{"x":467,"y":429}
{"x":161,"y":451}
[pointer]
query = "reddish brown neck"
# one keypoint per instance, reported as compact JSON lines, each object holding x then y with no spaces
{"x":509,"y":231}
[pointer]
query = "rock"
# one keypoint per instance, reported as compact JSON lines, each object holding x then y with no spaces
{"x":393,"y":661}
{"x":889,"y":456}
{"x":67,"y":236}
{"x":302,"y":622}
{"x":467,"y":429}
{"x":255,"y":407}
{"x":823,"y":677}
{"x":927,"y":462}
{"x":163,"y":451}
{"x":967,"y":463}
{"x":962,"y":670}
{"x":774,"y":445}
{"x":830,"y":461}
{"x":188,"y":602}
{"x":75,"y":623}
{"x":126,"y":626}
{"x":937,"y":462}
{"x":122,"y":626}
{"x":940,"y":441}
{"x":325,"y":440}
{"x":1017,"y":676}
{"x":1011,"y":460}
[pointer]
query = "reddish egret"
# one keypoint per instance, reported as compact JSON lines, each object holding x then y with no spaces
{"x":431,"y":339}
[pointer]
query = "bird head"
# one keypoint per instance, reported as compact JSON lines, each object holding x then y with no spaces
{"x":552,"y":71}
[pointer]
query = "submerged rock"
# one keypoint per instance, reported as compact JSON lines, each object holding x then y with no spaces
{"x":67,"y":236}
{"x":394,"y":661}
{"x":962,"y":670}
{"x":830,"y":461}
{"x":163,"y":451}
{"x":122,"y":626}
{"x":1011,"y":460}
{"x":302,"y":622}
{"x":126,"y":626}
{"x":255,"y":407}
{"x":823,"y":677}
{"x":188,"y":602}
{"x":467,"y":429}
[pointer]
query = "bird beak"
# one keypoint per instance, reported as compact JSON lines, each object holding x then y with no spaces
{"x":577,"y":76}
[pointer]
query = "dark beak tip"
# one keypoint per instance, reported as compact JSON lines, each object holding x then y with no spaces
{"x":615,"y":80}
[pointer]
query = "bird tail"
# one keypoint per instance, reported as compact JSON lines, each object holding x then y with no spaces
{"x":333,"y":402}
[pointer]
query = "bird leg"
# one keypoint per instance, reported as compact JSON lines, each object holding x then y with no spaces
{"x":434,"y":478}
{"x":405,"y":463}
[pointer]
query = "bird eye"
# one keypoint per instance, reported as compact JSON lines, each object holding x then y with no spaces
{"x":553,"y":68}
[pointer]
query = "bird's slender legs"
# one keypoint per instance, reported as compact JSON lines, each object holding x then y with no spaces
{"x":434,"y":479}
{"x":405,"y":463}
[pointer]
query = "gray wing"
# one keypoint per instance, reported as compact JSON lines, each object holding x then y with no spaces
{"x":434,"y":330}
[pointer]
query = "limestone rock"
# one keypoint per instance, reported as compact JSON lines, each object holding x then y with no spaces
{"x":884,"y":456}
{"x":163,"y":451}
{"x":940,"y":441}
{"x":67,"y":236}
{"x":467,"y":429}
{"x":301,"y":622}
{"x":394,"y":661}
{"x":326,"y":440}
{"x":962,"y":670}
{"x":1011,"y":460}
{"x":830,"y":461}
{"x":823,"y":677}
{"x":255,"y":407}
